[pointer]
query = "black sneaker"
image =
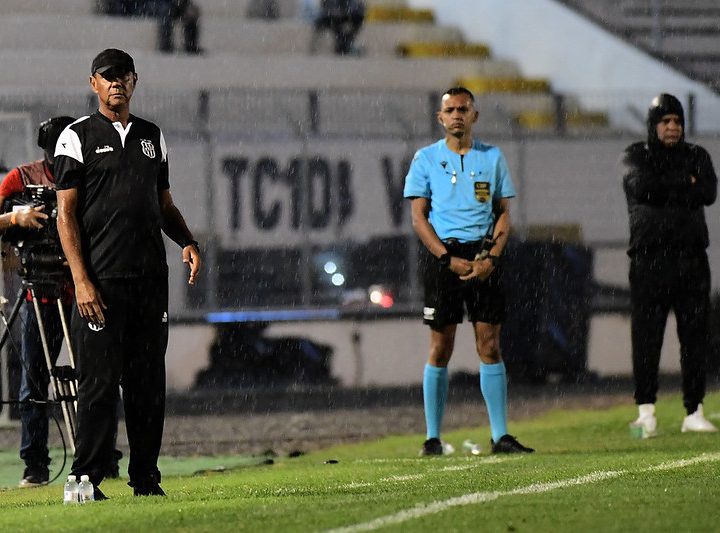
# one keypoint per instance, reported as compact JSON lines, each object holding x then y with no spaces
{"x":34,"y":476}
{"x":148,"y":489}
{"x":509,"y":444}
{"x":99,"y":495}
{"x":432,"y":447}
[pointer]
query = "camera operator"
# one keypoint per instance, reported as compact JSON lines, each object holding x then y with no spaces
{"x":34,"y":375}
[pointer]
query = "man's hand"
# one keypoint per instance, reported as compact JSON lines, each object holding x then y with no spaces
{"x":481,"y":269}
{"x":461,"y":267}
{"x":191,"y":257}
{"x":89,"y":303}
{"x":30,"y":217}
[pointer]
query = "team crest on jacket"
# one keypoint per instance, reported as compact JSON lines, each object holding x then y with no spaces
{"x":148,"y":148}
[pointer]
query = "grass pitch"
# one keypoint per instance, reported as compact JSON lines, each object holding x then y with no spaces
{"x":588,"y":475}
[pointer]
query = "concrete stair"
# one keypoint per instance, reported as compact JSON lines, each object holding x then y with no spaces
{"x":251,"y":64}
{"x":238,"y":37}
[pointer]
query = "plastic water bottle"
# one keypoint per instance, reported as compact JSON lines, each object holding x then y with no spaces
{"x":470,"y":447}
{"x":71,"y":492}
{"x":86,"y":490}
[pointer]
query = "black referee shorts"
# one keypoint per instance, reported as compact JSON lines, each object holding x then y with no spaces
{"x":446,"y":295}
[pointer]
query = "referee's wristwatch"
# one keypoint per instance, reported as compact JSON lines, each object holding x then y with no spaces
{"x":444,"y":260}
{"x":191,"y":243}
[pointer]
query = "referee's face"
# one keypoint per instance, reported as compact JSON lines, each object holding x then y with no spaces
{"x":457,"y":114}
{"x":114,"y":91}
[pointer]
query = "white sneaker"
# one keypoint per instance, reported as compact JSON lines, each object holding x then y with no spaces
{"x":644,"y":427}
{"x":698,"y":422}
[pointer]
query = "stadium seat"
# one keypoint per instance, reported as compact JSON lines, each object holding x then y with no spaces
{"x":442,"y":49}
{"x":392,"y":13}
{"x":480,"y":85}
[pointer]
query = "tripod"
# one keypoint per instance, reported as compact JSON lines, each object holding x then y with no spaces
{"x":62,"y":378}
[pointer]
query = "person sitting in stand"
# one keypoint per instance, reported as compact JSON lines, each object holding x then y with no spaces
{"x":343,"y":18}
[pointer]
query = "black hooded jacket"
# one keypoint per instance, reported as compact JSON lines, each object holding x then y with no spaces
{"x":666,"y":208}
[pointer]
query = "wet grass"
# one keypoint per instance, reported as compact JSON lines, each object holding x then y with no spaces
{"x":588,"y":474}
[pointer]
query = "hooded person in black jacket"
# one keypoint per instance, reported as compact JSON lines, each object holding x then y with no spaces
{"x":667,"y":183}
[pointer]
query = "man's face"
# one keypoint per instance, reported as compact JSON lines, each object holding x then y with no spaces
{"x":115,"y":90}
{"x":669,"y":130}
{"x":457,"y":114}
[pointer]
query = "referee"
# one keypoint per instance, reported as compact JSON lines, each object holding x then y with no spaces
{"x":113,"y":204}
{"x":460,"y":190}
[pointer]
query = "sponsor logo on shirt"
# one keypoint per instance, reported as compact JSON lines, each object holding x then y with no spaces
{"x":100,"y":150}
{"x":148,"y":148}
{"x":164,"y":317}
{"x":95,"y":327}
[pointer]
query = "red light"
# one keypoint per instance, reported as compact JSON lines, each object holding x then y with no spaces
{"x":386,"y":301}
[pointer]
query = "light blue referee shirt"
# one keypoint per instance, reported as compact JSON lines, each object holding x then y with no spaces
{"x":461,"y":188}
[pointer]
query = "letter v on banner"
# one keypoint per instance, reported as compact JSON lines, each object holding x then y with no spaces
{"x":394,"y":185}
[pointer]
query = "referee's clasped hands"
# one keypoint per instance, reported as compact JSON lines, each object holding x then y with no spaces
{"x":467,"y":269}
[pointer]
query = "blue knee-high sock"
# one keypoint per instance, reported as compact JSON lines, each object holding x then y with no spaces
{"x":493,"y":385}
{"x":435,"y":389}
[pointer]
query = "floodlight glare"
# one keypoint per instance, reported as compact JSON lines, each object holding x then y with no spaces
{"x":376,"y":296}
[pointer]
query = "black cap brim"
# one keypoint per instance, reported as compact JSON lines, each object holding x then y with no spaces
{"x":113,"y":71}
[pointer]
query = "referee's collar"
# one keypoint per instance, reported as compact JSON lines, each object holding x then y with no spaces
{"x":473,"y":146}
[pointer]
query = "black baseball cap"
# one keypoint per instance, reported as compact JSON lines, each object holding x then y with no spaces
{"x":112,"y":60}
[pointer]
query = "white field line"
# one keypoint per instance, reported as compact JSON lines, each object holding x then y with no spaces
{"x":421,"y":510}
{"x":407,"y":477}
{"x":493,"y":459}
{"x":474,"y":463}
{"x":471,"y":459}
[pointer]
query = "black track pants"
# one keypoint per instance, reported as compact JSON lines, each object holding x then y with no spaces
{"x":129,"y":352}
{"x":660,"y":282}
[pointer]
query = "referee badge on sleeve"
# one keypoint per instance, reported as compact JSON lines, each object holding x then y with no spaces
{"x":482,"y":191}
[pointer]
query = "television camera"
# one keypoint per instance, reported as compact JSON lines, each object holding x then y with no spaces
{"x":39,"y":250}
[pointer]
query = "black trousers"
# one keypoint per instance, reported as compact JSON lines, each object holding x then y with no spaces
{"x":129,"y":352}
{"x":661,"y":281}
